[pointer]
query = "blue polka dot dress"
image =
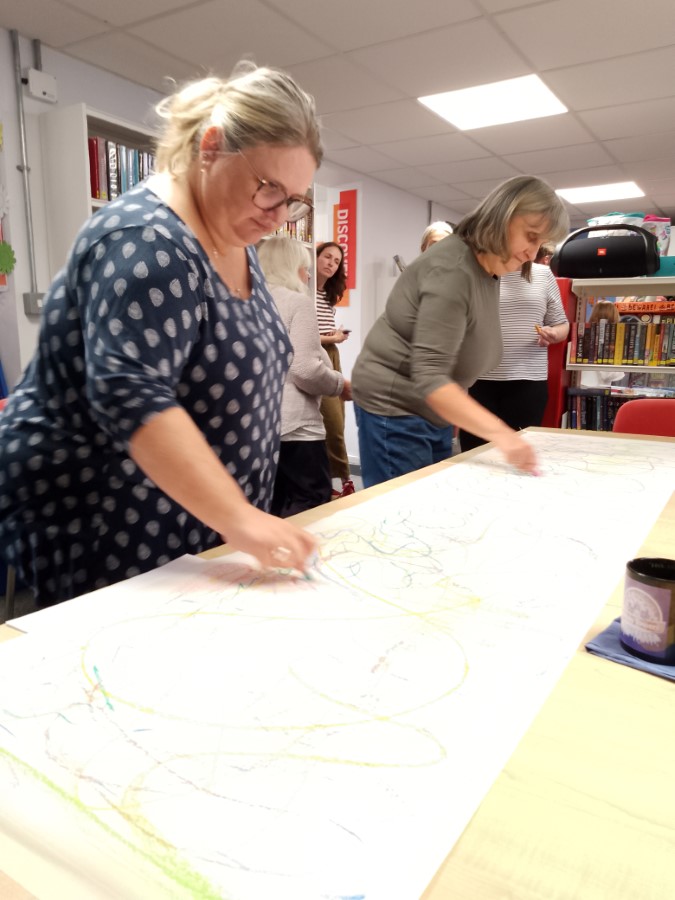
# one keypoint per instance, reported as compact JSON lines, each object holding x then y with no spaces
{"x":137,"y":322}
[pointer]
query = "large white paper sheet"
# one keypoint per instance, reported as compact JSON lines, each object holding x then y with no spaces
{"x":217,"y":731}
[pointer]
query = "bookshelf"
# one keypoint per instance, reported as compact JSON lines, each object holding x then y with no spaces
{"x":617,"y":287}
{"x":624,"y":287}
{"x":594,"y":408}
{"x":64,"y":134}
{"x":624,"y":367}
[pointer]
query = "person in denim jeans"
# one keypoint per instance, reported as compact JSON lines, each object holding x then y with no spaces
{"x":440,"y":331}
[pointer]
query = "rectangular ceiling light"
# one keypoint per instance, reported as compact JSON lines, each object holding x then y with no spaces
{"x":513,"y":100}
{"x":622,"y":190}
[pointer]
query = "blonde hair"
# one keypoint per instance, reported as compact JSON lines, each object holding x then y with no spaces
{"x":254,"y":106}
{"x":604,"y":309}
{"x":485,"y":230}
{"x":440,"y":228}
{"x":281,"y":259}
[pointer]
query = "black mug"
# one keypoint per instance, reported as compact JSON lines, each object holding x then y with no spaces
{"x":648,"y":614}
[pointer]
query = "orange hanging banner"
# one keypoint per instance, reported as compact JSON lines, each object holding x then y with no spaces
{"x":344,"y":234}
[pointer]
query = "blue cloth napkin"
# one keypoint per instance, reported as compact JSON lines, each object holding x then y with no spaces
{"x":608,"y":645}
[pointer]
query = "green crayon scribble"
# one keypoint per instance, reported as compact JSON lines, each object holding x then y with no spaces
{"x":167,"y":859}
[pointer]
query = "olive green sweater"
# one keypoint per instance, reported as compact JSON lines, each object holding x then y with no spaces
{"x":440,"y":326}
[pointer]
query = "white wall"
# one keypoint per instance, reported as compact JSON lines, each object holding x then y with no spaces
{"x":390,"y":221}
{"x":76,"y":83}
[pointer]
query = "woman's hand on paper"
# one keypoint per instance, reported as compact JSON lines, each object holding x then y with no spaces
{"x":518,"y":453}
{"x":274,"y":542}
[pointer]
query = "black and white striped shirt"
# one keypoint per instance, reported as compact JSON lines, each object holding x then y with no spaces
{"x":325,"y":313}
{"x":522,"y":305}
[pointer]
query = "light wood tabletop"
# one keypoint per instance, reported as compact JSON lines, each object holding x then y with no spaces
{"x":584,"y":807}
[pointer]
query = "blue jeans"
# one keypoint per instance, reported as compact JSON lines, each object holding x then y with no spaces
{"x":390,"y":446}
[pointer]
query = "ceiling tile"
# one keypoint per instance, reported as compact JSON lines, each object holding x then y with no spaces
{"x":332,"y":140}
{"x":661,"y":184}
{"x":471,"y":170}
{"x":567,"y":178}
{"x":443,"y":193}
{"x":533,"y":134}
{"x":229,"y":32}
{"x":481,"y":188}
{"x":652,"y":168}
{"x":126,"y":12}
{"x":656,"y":146}
{"x":444,"y":59}
{"x":143,"y":63}
{"x":435,"y":149}
{"x":43,"y":20}
{"x":567,"y":32}
{"x":642,"y":76}
{"x":406,"y":178}
{"x":537,"y":161}
{"x":337,"y":84}
{"x":461,"y":206}
{"x":635,"y":204}
{"x":612,"y":63}
{"x":627,"y":119}
{"x":359,"y":23}
{"x":495,"y":6}
{"x":363,"y":159}
{"x":387,"y":122}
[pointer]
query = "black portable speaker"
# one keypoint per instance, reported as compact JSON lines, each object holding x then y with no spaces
{"x":612,"y":256}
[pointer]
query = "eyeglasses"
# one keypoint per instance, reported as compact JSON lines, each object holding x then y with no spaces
{"x":269,"y":196}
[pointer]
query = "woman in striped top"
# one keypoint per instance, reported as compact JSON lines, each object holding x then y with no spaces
{"x":532,"y":317}
{"x":330,"y":286}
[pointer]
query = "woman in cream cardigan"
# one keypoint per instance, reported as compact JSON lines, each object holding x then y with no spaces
{"x":303,"y":476}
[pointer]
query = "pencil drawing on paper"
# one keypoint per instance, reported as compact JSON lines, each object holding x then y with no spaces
{"x":240,"y":734}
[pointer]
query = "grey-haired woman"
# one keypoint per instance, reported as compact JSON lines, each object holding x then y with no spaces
{"x":440,"y":332}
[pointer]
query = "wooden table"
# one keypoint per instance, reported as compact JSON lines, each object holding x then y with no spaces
{"x":585,"y":806}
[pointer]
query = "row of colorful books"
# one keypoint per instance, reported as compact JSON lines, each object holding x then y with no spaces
{"x":594,"y":409}
{"x":302,"y":230}
{"x":114,"y":167}
{"x":624,"y":343}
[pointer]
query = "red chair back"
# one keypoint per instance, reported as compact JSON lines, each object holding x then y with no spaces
{"x":650,"y":415}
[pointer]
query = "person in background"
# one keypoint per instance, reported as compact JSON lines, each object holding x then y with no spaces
{"x":434,"y":233}
{"x":147,"y":424}
{"x":602,"y":309}
{"x":440,"y":331}
{"x":532,"y":318}
{"x":545,"y":254}
{"x":330,"y":286}
{"x":303,"y":478}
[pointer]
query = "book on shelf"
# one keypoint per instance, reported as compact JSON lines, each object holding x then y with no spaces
{"x":113,"y":172}
{"x":93,"y":168}
{"x":115,"y":168}
{"x":625,"y":343}
{"x":302,"y":230}
{"x":619,"y":342}
{"x":102,"y":169}
{"x":595,"y":408}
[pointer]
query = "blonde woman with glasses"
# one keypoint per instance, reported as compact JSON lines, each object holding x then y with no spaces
{"x":147,"y":425}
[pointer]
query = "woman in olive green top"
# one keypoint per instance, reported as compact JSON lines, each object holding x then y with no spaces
{"x":440,"y":332}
